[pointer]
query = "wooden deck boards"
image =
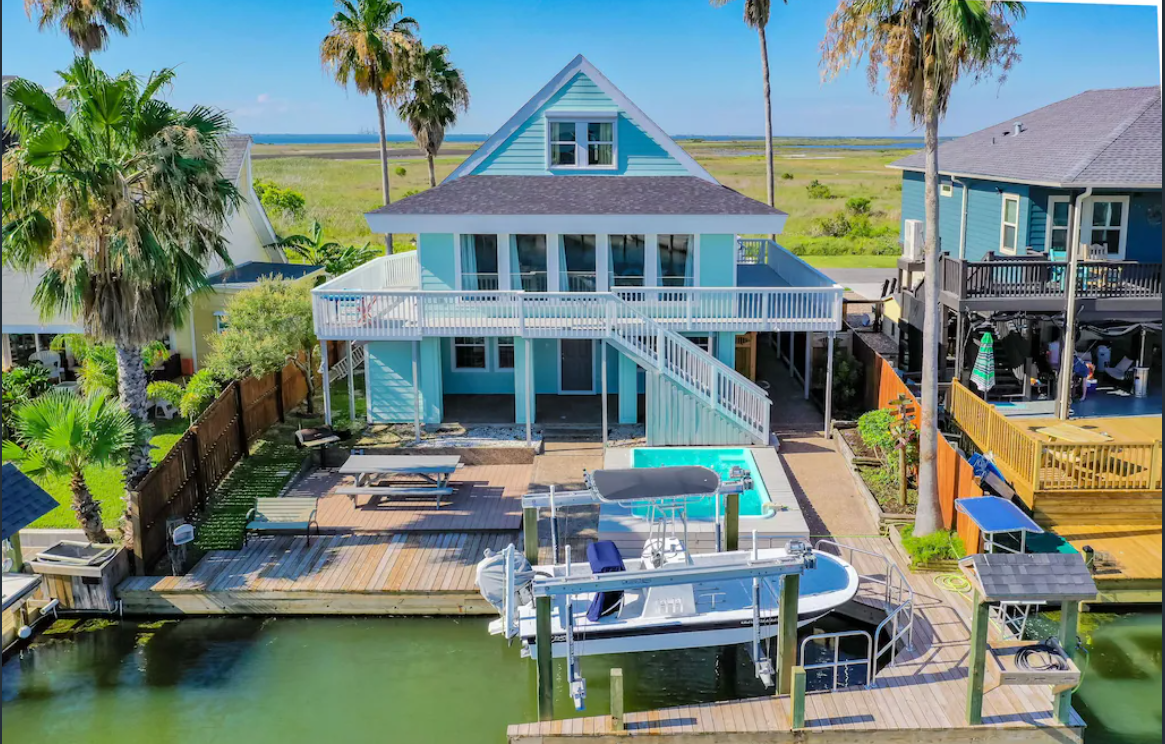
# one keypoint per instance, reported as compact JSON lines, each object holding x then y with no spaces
{"x":351,"y":573}
{"x":921,"y":698}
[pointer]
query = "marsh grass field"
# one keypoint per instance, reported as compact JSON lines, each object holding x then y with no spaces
{"x":342,"y":181}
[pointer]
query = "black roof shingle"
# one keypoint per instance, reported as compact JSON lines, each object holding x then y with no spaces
{"x":252,"y":271}
{"x":22,"y":501}
{"x":1049,"y":577}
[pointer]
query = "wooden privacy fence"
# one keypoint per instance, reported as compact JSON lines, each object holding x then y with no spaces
{"x":181,"y":483}
{"x":1047,"y":466}
{"x":956,"y":477}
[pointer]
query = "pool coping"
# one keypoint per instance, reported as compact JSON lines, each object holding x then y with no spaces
{"x":617,"y":522}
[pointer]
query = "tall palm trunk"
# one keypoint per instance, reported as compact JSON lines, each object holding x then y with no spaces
{"x":87,"y":510}
{"x":432,"y":171}
{"x":383,"y":163}
{"x":131,"y":389}
{"x":928,"y":515}
{"x":764,"y":63}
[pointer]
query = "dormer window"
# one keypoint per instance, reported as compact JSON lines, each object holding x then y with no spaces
{"x":582,"y":142}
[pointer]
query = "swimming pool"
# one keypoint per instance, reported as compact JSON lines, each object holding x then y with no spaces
{"x":752,"y":502}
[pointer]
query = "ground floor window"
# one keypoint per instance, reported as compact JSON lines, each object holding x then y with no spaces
{"x":21,"y":346}
{"x":506,"y":352}
{"x":704,"y":342}
{"x":469,"y":352}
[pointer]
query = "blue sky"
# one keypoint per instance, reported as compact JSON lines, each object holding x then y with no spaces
{"x":693,"y":68}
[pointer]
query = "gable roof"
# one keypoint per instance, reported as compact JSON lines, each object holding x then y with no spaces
{"x":576,"y":66}
{"x":235,"y":155}
{"x":1097,"y":138}
{"x":252,"y":271}
{"x":23,"y":501}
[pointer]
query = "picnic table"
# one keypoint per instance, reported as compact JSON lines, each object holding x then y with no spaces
{"x":1074,"y":434}
{"x":373,"y":473}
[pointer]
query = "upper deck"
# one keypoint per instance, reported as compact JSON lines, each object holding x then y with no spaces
{"x":384,"y":300}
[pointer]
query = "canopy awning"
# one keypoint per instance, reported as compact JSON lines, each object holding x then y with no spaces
{"x":649,"y":484}
{"x":994,"y":514}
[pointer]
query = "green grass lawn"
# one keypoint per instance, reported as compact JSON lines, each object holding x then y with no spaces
{"x":852,"y":262}
{"x":339,"y":192}
{"x":106,"y":483}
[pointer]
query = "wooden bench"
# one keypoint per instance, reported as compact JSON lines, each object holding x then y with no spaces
{"x":394,"y":491}
{"x":286,"y":515}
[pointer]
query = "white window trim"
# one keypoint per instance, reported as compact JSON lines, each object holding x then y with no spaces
{"x":1086,"y":224}
{"x":453,"y":355}
{"x":1003,"y":223}
{"x":1048,"y":226}
{"x":580,"y":121}
{"x":497,"y":360}
{"x":709,"y":347}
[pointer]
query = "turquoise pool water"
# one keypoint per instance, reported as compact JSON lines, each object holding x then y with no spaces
{"x":720,"y":460}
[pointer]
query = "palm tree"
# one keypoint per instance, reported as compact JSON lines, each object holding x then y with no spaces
{"x":756,"y":15}
{"x":60,"y":433}
{"x":369,"y":45}
{"x":121,"y":197}
{"x":85,"y":22}
{"x":922,"y":48}
{"x":436,"y":94}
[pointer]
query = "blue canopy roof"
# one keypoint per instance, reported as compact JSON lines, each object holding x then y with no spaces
{"x":22,"y":501}
{"x":995,"y":514}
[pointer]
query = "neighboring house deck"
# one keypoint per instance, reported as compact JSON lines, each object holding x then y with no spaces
{"x":579,"y":251}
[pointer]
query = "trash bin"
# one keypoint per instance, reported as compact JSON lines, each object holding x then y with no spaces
{"x":1141,"y":382}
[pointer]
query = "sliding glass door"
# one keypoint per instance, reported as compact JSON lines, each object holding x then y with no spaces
{"x":479,"y":262}
{"x":677,"y":259}
{"x":628,"y":260}
{"x":530,"y":273}
{"x":580,"y":259}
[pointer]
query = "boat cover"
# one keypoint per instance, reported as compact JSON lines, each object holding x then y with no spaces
{"x":491,"y":579}
{"x":646,"y":484}
{"x":604,"y":558}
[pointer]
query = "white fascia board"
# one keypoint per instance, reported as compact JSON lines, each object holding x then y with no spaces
{"x":564,"y":76}
{"x":580,"y":224}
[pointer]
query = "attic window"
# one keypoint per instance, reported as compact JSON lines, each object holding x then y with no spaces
{"x":946,"y":189}
{"x":581,"y":142}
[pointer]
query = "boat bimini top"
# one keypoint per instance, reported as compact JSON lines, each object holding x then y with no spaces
{"x":629,"y":486}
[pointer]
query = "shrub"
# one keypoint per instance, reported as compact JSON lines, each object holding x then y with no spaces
{"x":274,"y":198}
{"x":400,"y":171}
{"x":786,"y":176}
{"x":877,"y":430}
{"x":20,"y":385}
{"x":833,"y":226}
{"x":818,"y":190}
{"x":858,"y":205}
{"x":937,"y":546}
{"x":201,"y":390}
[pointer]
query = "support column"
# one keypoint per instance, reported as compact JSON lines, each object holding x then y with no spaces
{"x":960,"y":344}
{"x":327,"y":385}
{"x":726,"y":348}
{"x":351,"y":385}
{"x":417,"y":389}
{"x":602,"y":264}
{"x":1069,"y":614}
{"x":524,"y":401}
{"x":808,"y":373}
{"x":1068,"y":338}
{"x":603,"y":384}
{"x":829,"y":386}
{"x":628,"y":391}
{"x":505,"y":270}
{"x":977,"y":659}
{"x":787,"y":632}
{"x":554,"y":271}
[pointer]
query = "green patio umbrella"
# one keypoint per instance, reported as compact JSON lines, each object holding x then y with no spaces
{"x":983,"y":375}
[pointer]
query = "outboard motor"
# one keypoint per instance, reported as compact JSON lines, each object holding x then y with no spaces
{"x":491,"y":579}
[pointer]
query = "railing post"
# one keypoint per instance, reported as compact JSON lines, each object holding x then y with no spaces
{"x":1155,"y":465}
{"x":1037,"y":465}
{"x":279,"y":395}
{"x":241,"y":410}
{"x":659,"y":348}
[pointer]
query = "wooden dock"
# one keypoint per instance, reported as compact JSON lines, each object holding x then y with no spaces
{"x":344,"y":574}
{"x":920,"y":699}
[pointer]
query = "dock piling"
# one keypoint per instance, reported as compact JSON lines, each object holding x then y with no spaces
{"x":1069,"y":614}
{"x":977,"y":660}
{"x":732,"y":522}
{"x":617,"y":724}
{"x":798,"y":697}
{"x":787,"y":632}
{"x":543,"y":630}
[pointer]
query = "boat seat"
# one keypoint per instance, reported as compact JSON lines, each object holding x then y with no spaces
{"x":603,"y":557}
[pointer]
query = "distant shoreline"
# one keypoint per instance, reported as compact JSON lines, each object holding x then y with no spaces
{"x":861,"y":143}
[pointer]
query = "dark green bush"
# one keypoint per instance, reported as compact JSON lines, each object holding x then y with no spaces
{"x":858,"y":205}
{"x":876,"y":430}
{"x":818,"y":190}
{"x":786,"y":176}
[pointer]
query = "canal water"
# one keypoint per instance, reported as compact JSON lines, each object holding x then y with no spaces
{"x":408,"y":680}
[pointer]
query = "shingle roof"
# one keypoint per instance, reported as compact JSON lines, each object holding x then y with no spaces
{"x":252,"y":271}
{"x":22,"y":501}
{"x":235,"y":155}
{"x":578,"y":195}
{"x":1097,"y":138}
{"x":1049,"y":577}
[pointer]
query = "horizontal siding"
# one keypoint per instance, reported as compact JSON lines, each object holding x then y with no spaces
{"x":1144,"y":242}
{"x":524,"y":153}
{"x":390,"y":381}
{"x":717,"y":261}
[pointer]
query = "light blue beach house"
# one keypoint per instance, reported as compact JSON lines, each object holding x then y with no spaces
{"x":578,"y":252}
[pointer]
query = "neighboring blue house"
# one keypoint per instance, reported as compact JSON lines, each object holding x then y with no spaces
{"x":1010,"y":197}
{"x":578,"y":251}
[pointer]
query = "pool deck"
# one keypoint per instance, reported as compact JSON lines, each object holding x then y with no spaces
{"x":920,"y":699}
{"x":620,"y":525}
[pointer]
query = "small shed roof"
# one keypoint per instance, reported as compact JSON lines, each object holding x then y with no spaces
{"x":646,"y":484}
{"x":1035,"y":577}
{"x":995,"y":514}
{"x":22,"y":501}
{"x":252,"y":271}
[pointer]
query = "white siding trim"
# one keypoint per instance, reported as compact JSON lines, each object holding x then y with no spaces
{"x":1003,"y":223}
{"x":1053,"y":200}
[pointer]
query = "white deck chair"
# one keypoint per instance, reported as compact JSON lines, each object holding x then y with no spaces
{"x":1122,"y":371}
{"x":51,"y":360}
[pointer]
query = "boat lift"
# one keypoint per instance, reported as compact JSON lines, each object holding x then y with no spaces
{"x":665,"y":491}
